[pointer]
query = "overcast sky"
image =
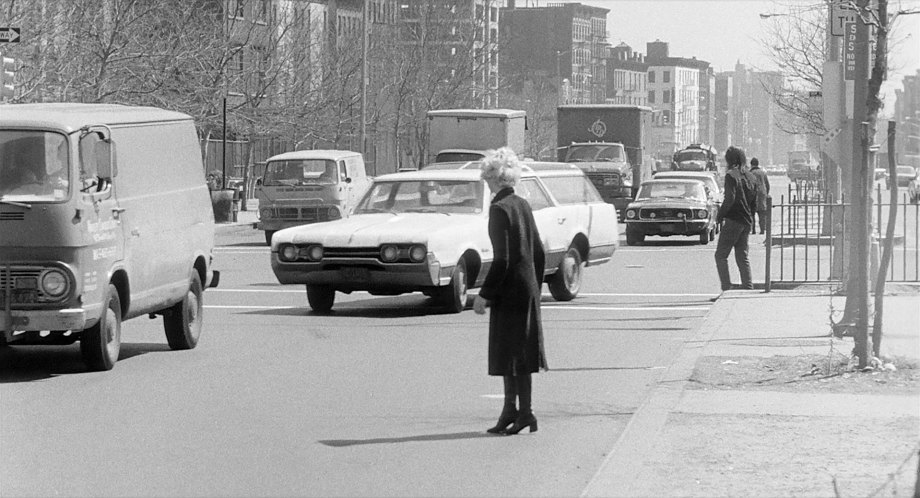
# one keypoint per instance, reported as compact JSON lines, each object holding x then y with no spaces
{"x":725,"y":31}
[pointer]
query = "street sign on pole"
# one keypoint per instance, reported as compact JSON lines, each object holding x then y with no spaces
{"x":8,"y":34}
{"x":841,"y":14}
{"x":849,"y":52}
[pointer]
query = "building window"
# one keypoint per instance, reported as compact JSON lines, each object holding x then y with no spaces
{"x":651,"y":96}
{"x":666,"y":77}
{"x":651,"y":76}
{"x":666,"y":116}
{"x":666,"y":97}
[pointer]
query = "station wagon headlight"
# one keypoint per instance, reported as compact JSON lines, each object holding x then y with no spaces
{"x":702,"y":213}
{"x":631,"y":213}
{"x":315,"y":252}
{"x":54,"y":283}
{"x":417,"y":253}
{"x":288,"y":252}
{"x":389,"y":253}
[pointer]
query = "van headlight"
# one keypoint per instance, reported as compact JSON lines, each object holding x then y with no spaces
{"x":54,"y":283}
{"x":265,"y":213}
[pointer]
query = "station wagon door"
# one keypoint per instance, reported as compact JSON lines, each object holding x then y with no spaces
{"x":547,"y":216}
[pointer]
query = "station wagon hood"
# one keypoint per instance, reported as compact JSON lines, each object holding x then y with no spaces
{"x":366,"y":230}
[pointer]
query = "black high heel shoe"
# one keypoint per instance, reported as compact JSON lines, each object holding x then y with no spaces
{"x":522,"y":422}
{"x":503,"y":422}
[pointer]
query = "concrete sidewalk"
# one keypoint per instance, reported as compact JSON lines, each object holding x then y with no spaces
{"x":843,"y":435}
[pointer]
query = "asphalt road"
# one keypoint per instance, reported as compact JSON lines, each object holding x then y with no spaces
{"x":385,"y":397}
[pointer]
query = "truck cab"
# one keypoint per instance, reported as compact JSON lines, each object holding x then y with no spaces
{"x":607,"y":166}
{"x":309,"y":186}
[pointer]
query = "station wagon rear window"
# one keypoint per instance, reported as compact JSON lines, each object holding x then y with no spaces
{"x":572,"y":189}
{"x":33,"y":166}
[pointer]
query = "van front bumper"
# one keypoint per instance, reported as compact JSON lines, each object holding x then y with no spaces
{"x":66,"y":319}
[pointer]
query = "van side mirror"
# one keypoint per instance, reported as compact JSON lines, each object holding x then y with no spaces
{"x":97,"y":158}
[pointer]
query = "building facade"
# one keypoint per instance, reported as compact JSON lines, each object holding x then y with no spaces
{"x":627,"y":76}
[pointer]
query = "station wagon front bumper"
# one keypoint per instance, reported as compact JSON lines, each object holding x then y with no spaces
{"x":364,"y":274}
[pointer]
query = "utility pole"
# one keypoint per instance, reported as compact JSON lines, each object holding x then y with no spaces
{"x":861,"y":188}
{"x":363,"y":135}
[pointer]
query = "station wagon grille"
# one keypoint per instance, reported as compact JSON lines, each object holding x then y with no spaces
{"x":665,"y":213}
{"x":351,"y":252}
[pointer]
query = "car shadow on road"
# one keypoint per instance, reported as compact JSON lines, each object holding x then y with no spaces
{"x":374,"y":307}
{"x":32,"y":363}
{"x":341,"y":443}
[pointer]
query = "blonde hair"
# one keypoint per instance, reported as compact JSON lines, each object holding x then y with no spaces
{"x":503,"y":165}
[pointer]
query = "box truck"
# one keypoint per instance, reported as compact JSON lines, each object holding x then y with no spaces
{"x":466,"y":134}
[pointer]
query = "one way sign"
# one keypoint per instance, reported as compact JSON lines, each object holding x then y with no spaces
{"x":8,"y":34}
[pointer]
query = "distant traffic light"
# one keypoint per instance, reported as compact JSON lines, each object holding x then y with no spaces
{"x":7,"y":77}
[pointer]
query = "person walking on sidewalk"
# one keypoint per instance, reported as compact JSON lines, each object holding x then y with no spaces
{"x":512,"y":288}
{"x":763,"y":193}
{"x":737,"y":214}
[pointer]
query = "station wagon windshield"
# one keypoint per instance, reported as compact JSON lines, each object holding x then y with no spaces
{"x":669,"y":190}
{"x":586,"y":153}
{"x":33,"y":166}
{"x":423,"y":196}
{"x":300,"y":172}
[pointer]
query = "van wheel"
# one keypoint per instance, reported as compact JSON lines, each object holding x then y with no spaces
{"x":101,"y":343}
{"x":268,"y":237}
{"x":566,"y":282}
{"x":454,"y":296}
{"x":183,"y":320}
{"x":320,"y":297}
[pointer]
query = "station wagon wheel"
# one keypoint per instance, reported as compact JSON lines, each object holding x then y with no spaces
{"x":320,"y":297}
{"x":183,"y":320}
{"x":566,"y":282}
{"x":454,"y":296}
{"x":101,"y":343}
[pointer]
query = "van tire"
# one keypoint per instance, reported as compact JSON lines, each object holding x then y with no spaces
{"x":566,"y":282}
{"x":454,"y":295}
{"x":268,"y":237}
{"x":101,"y":343}
{"x":182,"y":322}
{"x":320,"y":297}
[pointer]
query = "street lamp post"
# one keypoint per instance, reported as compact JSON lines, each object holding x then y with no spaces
{"x":559,"y":78}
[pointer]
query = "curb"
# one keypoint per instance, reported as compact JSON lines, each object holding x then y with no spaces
{"x":632,"y":450}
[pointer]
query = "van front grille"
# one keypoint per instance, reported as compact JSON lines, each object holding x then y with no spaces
{"x":13,"y":216}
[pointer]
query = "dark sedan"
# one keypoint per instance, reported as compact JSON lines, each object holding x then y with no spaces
{"x":665,"y":207}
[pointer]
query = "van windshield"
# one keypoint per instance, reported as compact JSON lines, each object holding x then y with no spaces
{"x":300,"y":172}
{"x":33,"y":166}
{"x":595,"y":152}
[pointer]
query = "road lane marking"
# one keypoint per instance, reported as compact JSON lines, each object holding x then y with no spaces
{"x":545,"y":306}
{"x":581,"y":294}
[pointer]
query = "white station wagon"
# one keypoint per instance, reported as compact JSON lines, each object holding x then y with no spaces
{"x":427,"y":231}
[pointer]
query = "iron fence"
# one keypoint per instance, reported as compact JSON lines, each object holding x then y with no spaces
{"x":808,"y":237}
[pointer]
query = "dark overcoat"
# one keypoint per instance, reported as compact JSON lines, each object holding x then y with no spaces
{"x":513,"y":286}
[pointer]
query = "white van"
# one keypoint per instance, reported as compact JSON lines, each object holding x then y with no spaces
{"x":104,"y":216}
{"x":309,"y":186}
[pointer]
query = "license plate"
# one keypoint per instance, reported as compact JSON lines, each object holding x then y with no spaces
{"x":19,"y":297}
{"x":667,"y":227}
{"x":359,"y":274}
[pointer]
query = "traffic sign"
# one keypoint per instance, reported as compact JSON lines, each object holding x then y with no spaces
{"x":8,"y":34}
{"x":843,"y":12}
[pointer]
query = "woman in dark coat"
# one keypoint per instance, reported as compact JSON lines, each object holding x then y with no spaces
{"x":512,"y":288}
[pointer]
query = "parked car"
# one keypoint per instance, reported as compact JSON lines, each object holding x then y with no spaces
{"x":667,"y":207}
{"x":775,"y":169}
{"x":427,"y":231}
{"x":904,"y":174}
{"x":709,"y":179}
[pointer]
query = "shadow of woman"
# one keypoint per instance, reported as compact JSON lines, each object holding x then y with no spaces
{"x":340,"y":443}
